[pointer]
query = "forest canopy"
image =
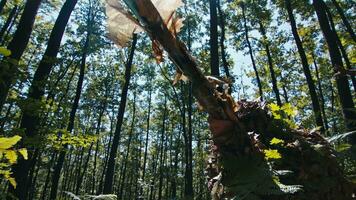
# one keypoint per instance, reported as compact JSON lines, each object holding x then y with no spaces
{"x":177,"y":99}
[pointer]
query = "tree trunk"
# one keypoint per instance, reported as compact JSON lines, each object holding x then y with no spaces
{"x":47,"y":180}
{"x":30,"y":121}
{"x":2,"y":5}
{"x":17,"y":46}
{"x":251,"y":52}
{"x":126,"y":158}
{"x":97,"y":132}
{"x":214,"y":48}
{"x":242,"y":132}
{"x":344,"y":20}
{"x":161,"y":161}
{"x":222,"y":39}
{"x":306,"y":69}
{"x":342,"y":84}
{"x":342,"y":49}
{"x":147,"y":135}
{"x":109,"y":175}
{"x":321,"y":93}
{"x":62,"y":154}
{"x":8,"y":21}
{"x":270,"y":65}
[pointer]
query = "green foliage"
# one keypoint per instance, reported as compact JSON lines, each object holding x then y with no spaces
{"x":284,"y":113}
{"x":61,"y":138}
{"x":276,"y":141}
{"x":5,"y":52}
{"x":272,"y":154}
{"x":9,"y":156}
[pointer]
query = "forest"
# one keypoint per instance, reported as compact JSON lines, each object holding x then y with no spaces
{"x":177,"y":99}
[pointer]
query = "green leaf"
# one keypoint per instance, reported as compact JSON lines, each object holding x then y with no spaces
{"x":6,"y":143}
{"x":4,"y":51}
{"x":274,"y":107}
{"x":276,"y":141}
{"x":11,"y":156}
{"x":272,"y":154}
{"x":24,"y":153}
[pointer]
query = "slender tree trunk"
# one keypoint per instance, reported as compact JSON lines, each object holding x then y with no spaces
{"x":126,"y":158}
{"x":214,"y":48}
{"x":12,"y":23}
{"x":321,"y":94}
{"x":342,"y":84}
{"x":161,"y":161}
{"x":30,"y":121}
{"x":251,"y":52}
{"x":189,"y":146}
{"x":342,"y":49}
{"x":8,"y":21}
{"x":62,"y":154}
{"x":81,"y":175}
{"x":17,"y":46}
{"x":109,"y":175}
{"x":2,"y":5}
{"x":310,"y":82}
{"x":344,"y":20}
{"x":97,"y":132}
{"x":33,"y":188}
{"x":270,"y":64}
{"x":47,"y":180}
{"x":147,"y":135}
{"x":222,"y":39}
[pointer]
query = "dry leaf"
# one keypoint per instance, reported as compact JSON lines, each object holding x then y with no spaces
{"x":179,"y":76}
{"x":121,"y":24}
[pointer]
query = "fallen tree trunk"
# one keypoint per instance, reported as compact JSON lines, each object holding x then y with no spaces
{"x":252,"y":153}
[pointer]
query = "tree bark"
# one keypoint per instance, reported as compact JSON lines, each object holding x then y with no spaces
{"x":214,"y":48}
{"x":306,"y":69}
{"x":17,"y":46}
{"x":109,"y":175}
{"x":251,"y":51}
{"x":342,"y":84}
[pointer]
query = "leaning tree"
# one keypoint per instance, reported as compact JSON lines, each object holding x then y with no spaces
{"x":255,"y":153}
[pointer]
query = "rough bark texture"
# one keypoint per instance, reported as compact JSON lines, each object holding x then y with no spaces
{"x":241,"y":131}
